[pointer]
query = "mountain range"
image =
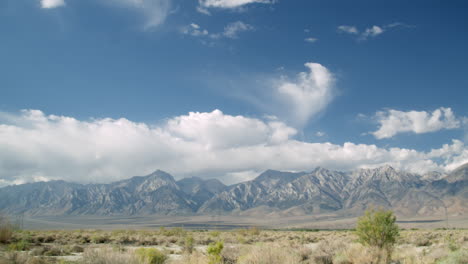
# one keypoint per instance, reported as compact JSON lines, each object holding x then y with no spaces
{"x":317,"y":192}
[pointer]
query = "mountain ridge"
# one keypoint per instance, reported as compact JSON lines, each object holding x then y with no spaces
{"x":308,"y":193}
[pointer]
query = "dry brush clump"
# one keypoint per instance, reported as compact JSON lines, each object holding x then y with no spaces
{"x":266,"y":246}
{"x":108,"y":255}
{"x":269,"y":254}
{"x":6,"y":229}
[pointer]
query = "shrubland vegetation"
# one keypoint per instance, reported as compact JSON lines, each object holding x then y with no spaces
{"x":376,"y":239}
{"x":6,"y":229}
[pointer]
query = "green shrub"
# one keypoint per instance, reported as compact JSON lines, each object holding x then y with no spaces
{"x":215,"y":233}
{"x":100,"y":239}
{"x":151,"y":256}
{"x":378,"y":228}
{"x":21,"y":245}
{"x":456,"y":257}
{"x":214,"y":252}
{"x":177,"y":231}
{"x":188,"y":244}
{"x":452,"y":244}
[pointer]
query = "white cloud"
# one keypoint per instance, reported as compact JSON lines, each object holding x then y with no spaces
{"x":203,"y":10}
{"x":35,"y":146}
{"x":194,"y":30}
{"x":371,"y":31}
{"x":216,"y":130}
{"x":242,"y":176}
{"x":307,"y":95}
{"x":320,"y":134}
{"x":348,"y":29}
{"x":155,"y":12}
{"x":311,"y":40}
{"x":233,"y":29}
{"x":393,"y":122}
{"x":52,"y":3}
{"x":230,"y":3}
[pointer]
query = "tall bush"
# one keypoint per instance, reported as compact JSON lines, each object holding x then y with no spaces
{"x":378,"y":228}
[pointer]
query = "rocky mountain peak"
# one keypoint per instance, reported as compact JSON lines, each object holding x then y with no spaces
{"x":319,"y":191}
{"x":272,"y":178}
{"x":147,"y":183}
{"x":386,"y":169}
{"x":161,"y":175}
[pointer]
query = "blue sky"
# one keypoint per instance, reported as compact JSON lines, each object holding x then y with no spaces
{"x":380,"y":75}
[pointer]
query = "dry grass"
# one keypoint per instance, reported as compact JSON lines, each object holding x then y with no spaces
{"x":269,"y":254}
{"x":6,"y":229}
{"x":193,"y":258}
{"x":108,"y":255}
{"x":254,"y":247}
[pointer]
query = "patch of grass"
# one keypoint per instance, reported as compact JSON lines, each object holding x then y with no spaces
{"x":100,"y":239}
{"x":151,"y":256}
{"x":456,"y":257}
{"x":21,"y":245}
{"x":108,"y":256}
{"x":214,"y":252}
{"x":189,"y":244}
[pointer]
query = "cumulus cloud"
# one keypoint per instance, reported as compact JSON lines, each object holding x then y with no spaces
{"x":216,"y":130}
{"x":154,"y":11}
{"x":307,"y":95}
{"x":372,"y":31}
{"x":393,"y":122}
{"x":230,"y":3}
{"x":52,"y":3}
{"x":36,"y":147}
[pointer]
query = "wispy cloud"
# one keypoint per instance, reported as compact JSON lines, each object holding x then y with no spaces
{"x":194,"y":30}
{"x":231,"y":31}
{"x":310,"y":40}
{"x":320,"y":134}
{"x":393,"y":122}
{"x":49,"y":4}
{"x":348,"y":29}
{"x":369,"y":32}
{"x":154,"y":12}
{"x":306,"y":95}
{"x":230,"y":3}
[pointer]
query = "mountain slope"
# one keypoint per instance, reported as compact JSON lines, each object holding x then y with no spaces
{"x":320,"y":191}
{"x":200,"y":190}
